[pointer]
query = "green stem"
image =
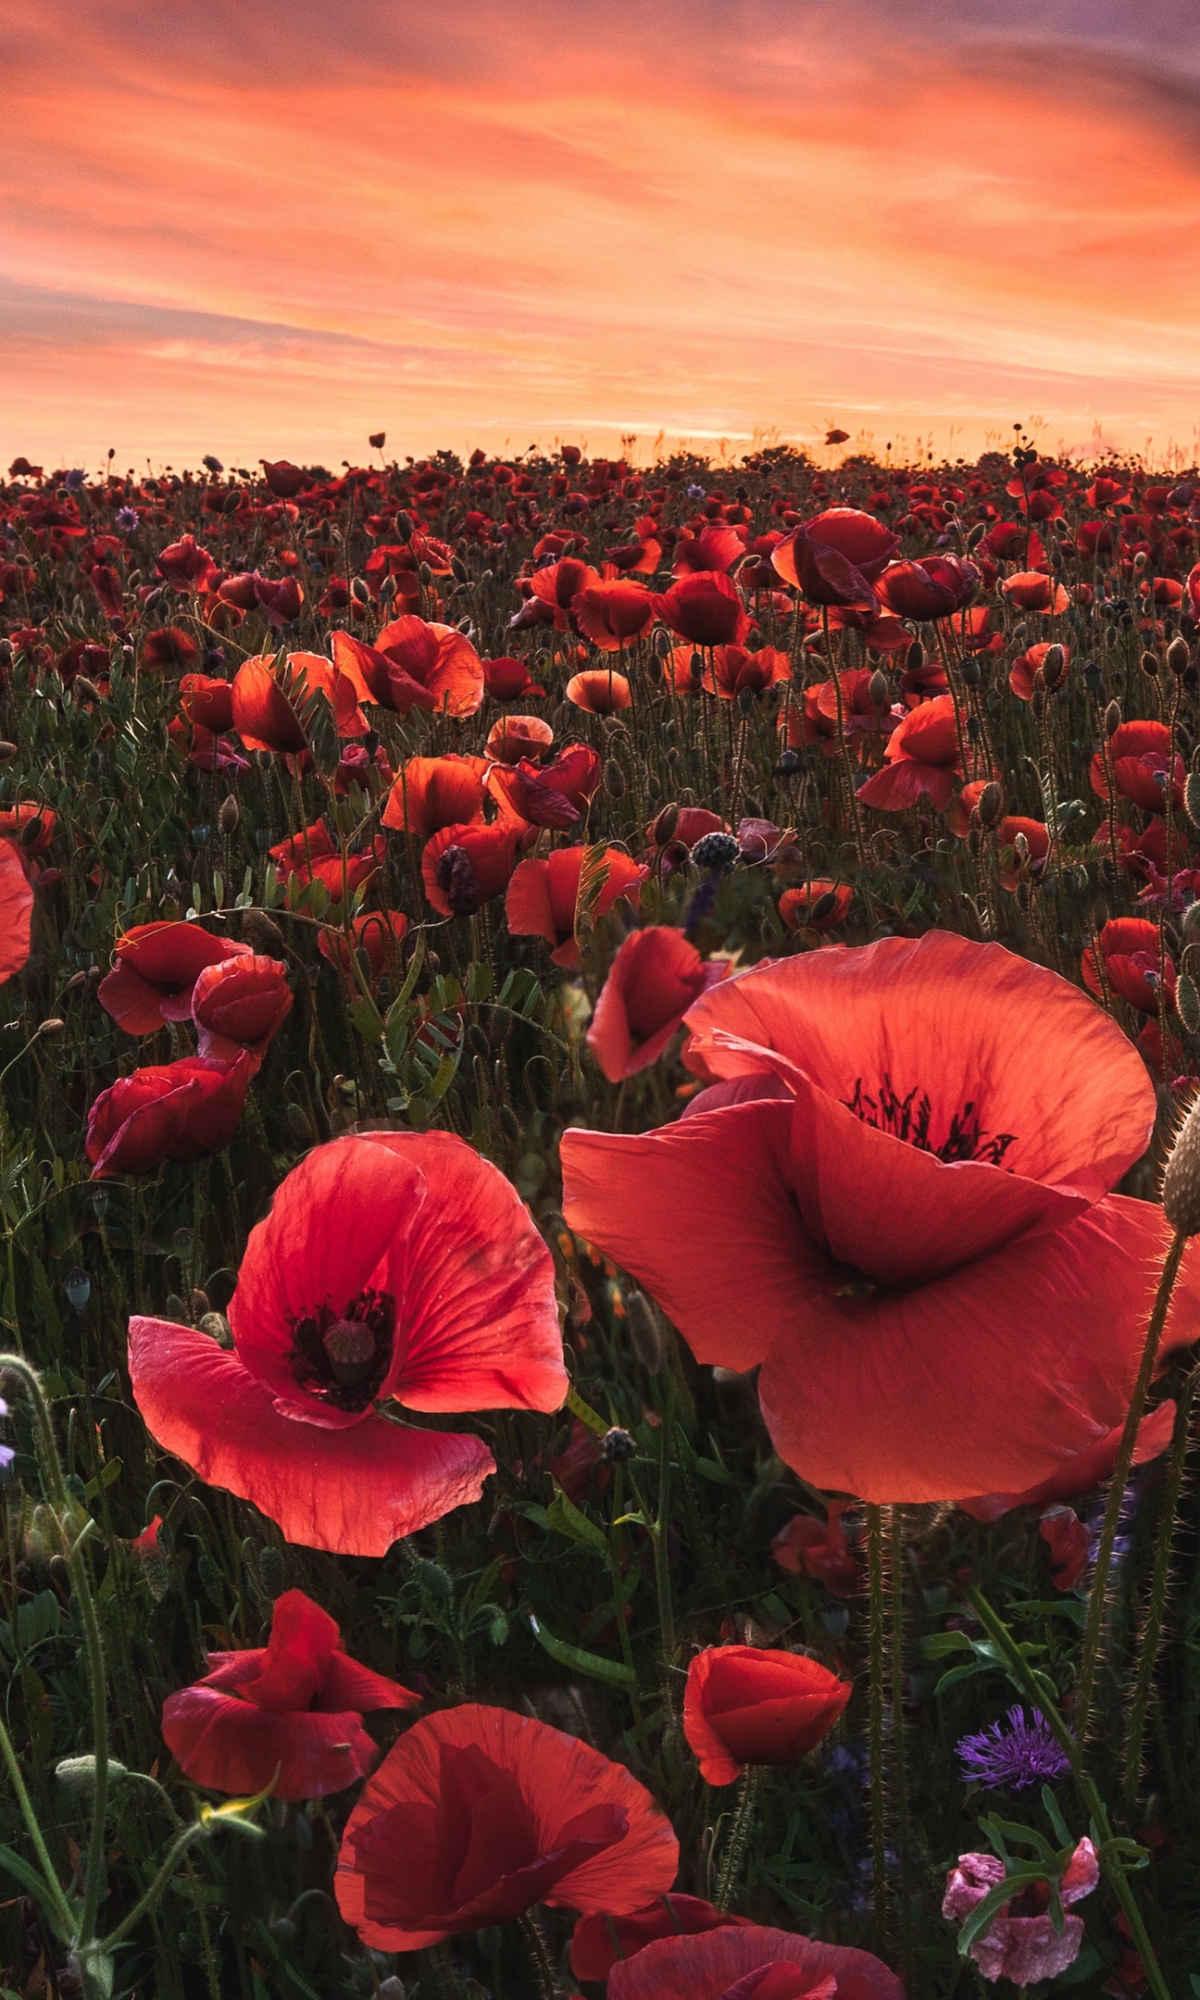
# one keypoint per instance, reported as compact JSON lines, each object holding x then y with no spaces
{"x":900,"y":1762}
{"x":64,"y":1915}
{"x":875,"y":1724}
{"x":731,"y":1867}
{"x":1099,"y":1595}
{"x":540,"y":1957}
{"x":174,"y":1854}
{"x":1156,"y":1608}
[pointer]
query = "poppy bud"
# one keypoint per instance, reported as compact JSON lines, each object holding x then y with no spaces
{"x":1054,"y":664}
{"x":1112,"y":718}
{"x":976,"y":535}
{"x":459,"y":570}
{"x":229,"y":816}
{"x":664,"y":826}
{"x":387,"y":590}
{"x":1191,"y":798}
{"x":914,"y":659}
{"x":426,"y":575}
{"x":1021,"y":846}
{"x":824,"y":908}
{"x":1149,"y":666}
{"x":878,"y":689}
{"x":972,"y":673}
{"x":1181,"y":1180}
{"x":1187,"y":1001}
{"x":377,"y":440}
{"x":975,"y":840}
{"x":645,"y":1332}
{"x":359,"y":591}
{"x":50,"y":1030}
{"x":458,"y":882}
{"x":31,"y":832}
{"x":614,"y":779}
{"x":696,"y":669}
{"x":264,"y":936}
{"x":1179,"y":656}
{"x":663,"y":643}
{"x":618,"y":1446}
{"x":404,"y":526}
{"x":991,"y":802}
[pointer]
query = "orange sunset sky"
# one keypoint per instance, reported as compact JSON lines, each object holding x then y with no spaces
{"x":270,"y":227}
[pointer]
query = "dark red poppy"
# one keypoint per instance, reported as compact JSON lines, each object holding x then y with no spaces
{"x":818,"y":905}
{"x":169,"y":646}
{"x":749,"y":1963}
{"x":281,"y":598}
{"x":517,"y":736}
{"x":157,"y":967}
{"x":820,"y":1549}
{"x":240,"y":1004}
{"x":556,"y":585}
{"x":653,"y":980}
{"x":923,"y":758}
{"x":1127,"y":954}
{"x":837,"y":557}
{"x":284,"y":479}
{"x":464,"y":867}
{"x":314,"y":856}
{"x":932,"y":588}
{"x":549,"y":795}
{"x":921,"y":1252}
{"x":1032,"y":590}
{"x":1139,"y":753}
{"x":207,"y":702}
{"x":734,"y":671}
{"x":433,"y":792}
{"x":543,"y":896}
{"x":755,"y":1705}
{"x":599,"y":691}
{"x":611,"y":614}
{"x":506,"y":679}
{"x":286,"y":1715}
{"x":185,"y":564}
{"x":477,"y":1814}
{"x":178,"y":1111}
{"x":394,"y":1266}
{"x":598,"y":1943}
{"x":717,"y":547}
{"x":705,"y":608}
{"x":16,"y":911}
{"x":414,"y":664}
{"x":378,"y":933}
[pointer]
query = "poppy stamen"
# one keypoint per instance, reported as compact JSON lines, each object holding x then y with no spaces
{"x":910,"y":1117}
{"x":344,"y":1357}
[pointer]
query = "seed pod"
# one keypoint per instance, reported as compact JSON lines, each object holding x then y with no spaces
{"x":229,"y":817}
{"x":1181,"y":1180}
{"x":1112,"y":718}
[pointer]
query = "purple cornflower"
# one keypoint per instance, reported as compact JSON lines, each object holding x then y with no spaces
{"x":1018,"y":1752}
{"x":74,"y":479}
{"x":127,"y":519}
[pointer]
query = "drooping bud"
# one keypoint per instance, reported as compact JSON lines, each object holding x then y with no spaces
{"x":664,"y":826}
{"x":1181,"y":1180}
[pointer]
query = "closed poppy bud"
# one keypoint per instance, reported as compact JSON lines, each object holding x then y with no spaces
{"x":664,"y":826}
{"x":1112,"y":718}
{"x":240,"y":1004}
{"x":1181,"y":1181}
{"x":877,"y":688}
{"x":1053,"y":665}
{"x":229,"y":816}
{"x":751,"y":1705}
{"x":991,"y":799}
{"x":1178,"y":655}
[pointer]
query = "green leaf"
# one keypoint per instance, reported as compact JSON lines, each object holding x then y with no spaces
{"x":598,"y":1669}
{"x":566,"y":1519}
{"x":981,"y":1916}
{"x":32,"y":1880}
{"x":584,"y":1411}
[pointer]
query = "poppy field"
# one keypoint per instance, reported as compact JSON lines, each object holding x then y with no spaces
{"x":597,"y":1184}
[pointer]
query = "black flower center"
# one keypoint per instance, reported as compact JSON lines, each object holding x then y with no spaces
{"x":910,"y":1118}
{"x":343,"y":1357}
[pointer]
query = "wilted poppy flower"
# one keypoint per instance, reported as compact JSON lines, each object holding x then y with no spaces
{"x":157,"y":967}
{"x":1127,"y":953}
{"x":377,"y":933}
{"x":549,"y":795}
{"x":820,"y":1549}
{"x":837,"y":557}
{"x":287,"y":1714}
{"x":464,"y":867}
{"x":313,"y":856}
{"x":817,"y":906}
{"x":599,"y":1943}
{"x":931,"y":588}
{"x":168,"y":647}
{"x":414,"y":664}
{"x":754,"y":1705}
{"x":734,"y":671}
{"x":611,"y":614}
{"x":477,"y":1814}
{"x":705,"y":608}
{"x":517,"y":736}
{"x":433,"y":792}
{"x":923,"y":757}
{"x":599,"y":691}
{"x":543,"y":896}
{"x":1139,"y":753}
{"x":206,"y":702}
{"x":240,"y":1004}
{"x":394,"y":1266}
{"x":1022,"y":1943}
{"x":920,"y":1252}
{"x":178,"y":1111}
{"x":16,"y":911}
{"x":747,"y":1962}
{"x":653,"y":980}
{"x":1031,"y":590}
{"x":506,"y":679}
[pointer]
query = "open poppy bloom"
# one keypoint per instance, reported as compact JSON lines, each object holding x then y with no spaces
{"x":923,"y":757}
{"x":240,"y":1004}
{"x":517,"y":736}
{"x":1033,"y":590}
{"x":207,"y":703}
{"x":266,"y":717}
{"x":1139,"y":753}
{"x":717,"y":546}
{"x":1086,"y":1471}
{"x":476,"y":1814}
{"x":543,"y":897}
{"x":749,"y":1962}
{"x":1023,"y":673}
{"x":598,"y":1943}
{"x":599,"y":691}
{"x":556,"y":585}
{"x":837,"y":557}
{"x":507,"y":679}
{"x":817,"y":906}
{"x":652,"y":981}
{"x":1127,"y":953}
{"x":553,"y":795}
{"x":292,"y":1707}
{"x":433,"y":792}
{"x":414,"y":664}
{"x":734,"y":671}
{"x":920,"y":1250}
{"x":16,"y":911}
{"x":929,"y":589}
{"x":393,"y":1266}
{"x":169,"y":646}
{"x":706,"y":608}
{"x":753,"y":1705}
{"x":611,"y":614}
{"x":464,"y":867}
{"x":157,"y":968}
{"x":172,"y":1111}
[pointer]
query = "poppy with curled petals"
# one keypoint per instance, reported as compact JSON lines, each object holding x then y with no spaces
{"x":286,"y":1715}
{"x":414,"y":664}
{"x":314,"y":856}
{"x":433,"y":792}
{"x":517,"y":736}
{"x":611,"y":614}
{"x":206,"y":702}
{"x":746,"y":1962}
{"x":818,"y":905}
{"x":16,"y":911}
{"x":240,"y":1004}
{"x":476,"y":1814}
{"x":599,"y":691}
{"x":598,"y":1943}
{"x":172,"y":1111}
{"x":820,"y":1549}
{"x":705,"y":608}
{"x":836,"y":558}
{"x":506,"y":679}
{"x":917,"y":1244}
{"x":1126,"y":954}
{"x":464,"y":867}
{"x":553,"y":795}
{"x":393,"y":1267}
{"x":267,"y":714}
{"x":543,"y":897}
{"x":556,"y":585}
{"x":157,"y":967}
{"x":733,"y":671}
{"x":717,"y":547}
{"x":932,"y":588}
{"x":1139,"y":754}
{"x":378,"y":934}
{"x":755,"y":1705}
{"x":1032,"y":590}
{"x":923,"y":758}
{"x":652,"y":981}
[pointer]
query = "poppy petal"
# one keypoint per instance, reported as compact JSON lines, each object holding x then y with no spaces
{"x":229,"y":1745}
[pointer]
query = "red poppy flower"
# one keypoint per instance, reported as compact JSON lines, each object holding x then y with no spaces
{"x":923,"y":759}
{"x":717,"y":546}
{"x":836,"y":558}
{"x":1085,"y":1471}
{"x":599,"y":691}
{"x":393,"y":1266}
{"x":1129,"y":955}
{"x":611,"y":614}
{"x":506,"y":679}
{"x":477,"y":1814}
{"x":378,"y":933}
{"x":240,"y":1004}
{"x":749,"y":1963}
{"x":706,"y":609}
{"x":920,"y":1252}
{"x":464,"y":867}
{"x":752,"y":1705}
{"x":653,"y":980}
{"x":1036,"y":836}
{"x":734,"y":671}
{"x":433,"y":792}
{"x":178,"y":1111}
{"x":549,"y":795}
{"x":267,"y":719}
{"x":207,"y":702}
{"x":30,"y":824}
{"x":1031,"y":590}
{"x":556,"y":586}
{"x":543,"y":897}
{"x":517,"y":736}
{"x":820,"y":1549}
{"x":288,"y":1713}
{"x":1140,"y":754}
{"x":1023,"y":672}
{"x":157,"y":967}
{"x":598,"y":1943}
{"x":414,"y":664}
{"x":168,"y":647}
{"x":313,"y":856}
{"x":16,"y":911}
{"x":932,"y":588}
{"x":284,"y":479}
{"x":817,"y":906}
